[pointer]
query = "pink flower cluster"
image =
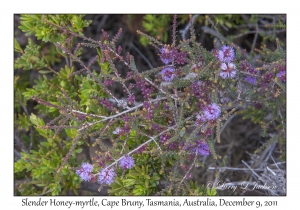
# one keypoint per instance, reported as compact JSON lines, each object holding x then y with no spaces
{"x":106,"y":175}
{"x":226,"y":55}
{"x":167,"y":55}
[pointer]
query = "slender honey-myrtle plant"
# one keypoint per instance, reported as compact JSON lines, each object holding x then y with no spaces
{"x":151,"y":147}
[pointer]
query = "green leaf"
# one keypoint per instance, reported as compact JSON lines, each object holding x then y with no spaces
{"x":129,"y":182}
{"x":147,"y":183}
{"x":17,"y":47}
{"x":79,"y":150}
{"x":46,"y":144}
{"x":156,"y":178}
{"x":31,"y":58}
{"x":71,"y":132}
{"x":44,"y":71}
{"x":132,"y":64}
{"x":182,"y":132}
{"x":138,"y":169}
{"x":36,"y":121}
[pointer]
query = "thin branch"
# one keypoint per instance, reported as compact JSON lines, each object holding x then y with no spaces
{"x":119,"y":114}
{"x":137,"y":148}
{"x":233,"y":169}
{"x":210,"y":31}
{"x":187,"y":27}
{"x":254,"y":40}
{"x":190,"y":167}
{"x":151,"y":138}
{"x":31,"y":131}
{"x":142,"y":55}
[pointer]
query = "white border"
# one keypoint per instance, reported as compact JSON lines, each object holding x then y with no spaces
{"x":8,"y":201}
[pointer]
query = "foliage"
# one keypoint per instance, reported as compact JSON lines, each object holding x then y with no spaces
{"x":156,"y":26}
{"x":167,"y":134}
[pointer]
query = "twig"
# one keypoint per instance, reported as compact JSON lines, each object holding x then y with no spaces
{"x":208,"y":30}
{"x":250,"y":168}
{"x":45,"y":193}
{"x":186,"y":28}
{"x":17,"y":154}
{"x":149,"y":81}
{"x":254,"y":40}
{"x":119,"y":114}
{"x":142,"y":55}
{"x":190,"y":167}
{"x":100,"y":25}
{"x":137,"y":148}
{"x":226,"y":123}
{"x":31,"y":131}
{"x":151,"y":138}
{"x":86,"y":114}
{"x":234,"y":169}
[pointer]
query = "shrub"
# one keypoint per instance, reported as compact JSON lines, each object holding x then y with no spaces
{"x":147,"y":147}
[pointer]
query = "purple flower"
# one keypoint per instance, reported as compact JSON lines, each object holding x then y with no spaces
{"x":108,"y":82}
{"x":224,"y":100}
{"x":146,"y":91}
{"x":201,"y":147}
{"x":180,"y":57}
{"x":246,"y":66}
{"x":106,"y":176}
{"x":200,"y":119}
{"x":164,"y":138}
{"x":126,"y":128}
{"x":168,"y":74}
{"x":149,"y":115}
{"x":81,"y":116}
{"x":102,"y":159}
{"x":117,"y":131}
{"x":156,"y":127}
{"x":258,"y":105}
{"x":106,"y":104}
{"x":226,"y":54}
{"x":147,"y":105}
{"x":197,"y":89}
{"x":251,"y":80}
{"x":212,"y":112}
{"x":85,"y":171}
{"x":172,"y":146}
{"x":215,"y":53}
{"x":119,"y":50}
{"x":141,"y":149}
{"x":208,"y":132}
{"x":282,"y":76}
{"x":228,"y":70}
{"x":165,"y":106}
{"x":266,"y":79}
{"x":126,"y":118}
{"x":166,"y":55}
{"x":127,"y":162}
{"x":131,"y":99}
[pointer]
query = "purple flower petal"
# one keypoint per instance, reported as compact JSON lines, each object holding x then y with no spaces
{"x":84,"y":172}
{"x":228,"y":70}
{"x":106,"y":176}
{"x":226,"y":54}
{"x":212,"y":112}
{"x":168,"y":74}
{"x":251,"y":80}
{"x":126,"y":162}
